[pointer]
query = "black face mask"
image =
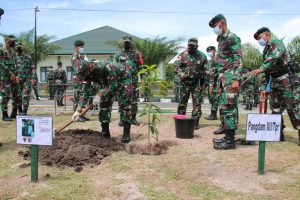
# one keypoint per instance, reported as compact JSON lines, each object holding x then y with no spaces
{"x":12,"y":44}
{"x":127,"y":45}
{"x":192,"y":50}
{"x":19,"y":49}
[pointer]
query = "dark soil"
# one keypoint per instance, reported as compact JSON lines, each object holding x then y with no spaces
{"x":76,"y":148}
{"x":153,"y":149}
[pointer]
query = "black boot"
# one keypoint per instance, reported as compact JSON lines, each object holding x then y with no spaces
{"x":197,"y":126}
{"x":105,"y":130}
{"x":227,"y":142}
{"x":13,"y":114}
{"x":134,"y":121}
{"x":247,"y":107}
{"x":126,"y":133}
{"x":57,"y":103}
{"x":212,"y":116}
{"x":221,"y":130}
{"x":37,"y":98}
{"x":250,"y":107}
{"x":24,"y":112}
{"x":20,"y":109}
{"x":5,"y":117}
{"x":61,"y":103}
{"x":281,"y":131}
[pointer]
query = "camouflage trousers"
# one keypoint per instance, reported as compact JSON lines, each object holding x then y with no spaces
{"x":106,"y":107}
{"x":228,"y":104}
{"x":77,"y":91}
{"x":195,"y":89}
{"x":213,"y":99}
{"x":84,"y":94}
{"x":283,"y":97}
{"x":135,"y":96}
{"x":35,"y":89}
{"x":59,"y":91}
{"x":249,"y":95}
{"x":25,"y":90}
{"x":124,"y":93}
{"x":10,"y":90}
{"x":51,"y":90}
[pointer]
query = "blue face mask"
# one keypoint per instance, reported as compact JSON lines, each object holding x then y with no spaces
{"x":210,"y":54}
{"x":262,"y":42}
{"x":217,"y":30}
{"x":81,"y":50}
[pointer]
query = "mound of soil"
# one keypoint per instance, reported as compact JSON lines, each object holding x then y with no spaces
{"x":76,"y":148}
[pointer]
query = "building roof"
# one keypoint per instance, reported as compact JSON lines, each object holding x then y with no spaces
{"x":97,"y":41}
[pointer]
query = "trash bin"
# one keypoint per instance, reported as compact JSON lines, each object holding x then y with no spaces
{"x":184,"y":127}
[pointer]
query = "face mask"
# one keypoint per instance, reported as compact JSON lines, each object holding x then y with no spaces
{"x":262,"y":42}
{"x":192,"y":49}
{"x":127,"y":46}
{"x":217,"y":30}
{"x":210,"y":54}
{"x":12,"y":44}
{"x":81,"y":50}
{"x":19,"y":49}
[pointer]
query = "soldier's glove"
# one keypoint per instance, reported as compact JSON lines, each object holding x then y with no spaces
{"x":75,"y":115}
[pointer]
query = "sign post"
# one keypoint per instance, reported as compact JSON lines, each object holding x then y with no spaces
{"x":34,"y":131}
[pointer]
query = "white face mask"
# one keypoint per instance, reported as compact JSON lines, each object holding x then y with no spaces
{"x":81,"y":50}
{"x":217,"y":30}
{"x":262,"y":42}
{"x":210,"y":54}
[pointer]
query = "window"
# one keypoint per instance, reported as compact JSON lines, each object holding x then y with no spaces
{"x":43,"y":74}
{"x":69,"y":74}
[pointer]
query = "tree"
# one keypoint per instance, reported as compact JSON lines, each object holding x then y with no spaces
{"x":252,"y":58}
{"x":44,"y":47}
{"x":294,"y":49}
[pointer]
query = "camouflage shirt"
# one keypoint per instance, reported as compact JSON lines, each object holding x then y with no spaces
{"x":50,"y":76}
{"x":133,"y":58}
{"x":60,"y":74}
{"x":190,"y":65}
{"x":25,"y":67}
{"x":229,"y":55}
{"x":9,"y":61}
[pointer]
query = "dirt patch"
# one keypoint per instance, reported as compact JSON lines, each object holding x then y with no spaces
{"x":76,"y":148}
{"x":153,"y":149}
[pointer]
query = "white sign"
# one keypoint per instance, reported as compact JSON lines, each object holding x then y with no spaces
{"x":263,"y":127}
{"x":34,"y":130}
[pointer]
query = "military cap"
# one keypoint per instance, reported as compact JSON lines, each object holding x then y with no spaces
{"x":1,"y":12}
{"x":210,"y":48}
{"x":261,"y":30}
{"x":193,"y":41}
{"x":216,"y":19}
{"x":59,"y":63}
{"x":11,"y":37}
{"x":127,"y":38}
{"x":78,"y":43}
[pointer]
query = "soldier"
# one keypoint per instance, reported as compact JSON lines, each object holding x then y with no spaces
{"x":212,"y":84}
{"x":228,"y":66}
{"x":190,"y":67}
{"x":35,"y":88}
{"x":275,"y":65}
{"x":248,"y":86}
{"x":26,"y":72}
{"x":50,"y":81}
{"x":134,"y":58}
{"x":60,"y":77}
{"x":9,"y":80}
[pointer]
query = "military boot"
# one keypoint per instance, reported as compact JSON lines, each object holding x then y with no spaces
{"x":281,"y":131}
{"x":212,"y":116}
{"x":37,"y":98}
{"x":24,"y":113}
{"x":61,"y":103}
{"x":105,"y":130}
{"x":20,"y":109}
{"x":13,"y":114}
{"x":126,"y":133}
{"x":197,"y":125}
{"x":221,"y":130}
{"x":134,"y":121}
{"x":5,"y":117}
{"x":247,"y":107}
{"x":250,"y":107}
{"x":228,"y":141}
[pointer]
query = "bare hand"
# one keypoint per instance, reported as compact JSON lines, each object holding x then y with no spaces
{"x":235,"y":86}
{"x":263,"y":95}
{"x":256,"y":72}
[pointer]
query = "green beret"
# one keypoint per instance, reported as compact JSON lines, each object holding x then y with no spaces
{"x":1,"y":12}
{"x":216,"y":19}
{"x":127,"y":38}
{"x":78,"y":43}
{"x":261,"y":30}
{"x":210,"y":48}
{"x":193,"y":41}
{"x":11,"y":37}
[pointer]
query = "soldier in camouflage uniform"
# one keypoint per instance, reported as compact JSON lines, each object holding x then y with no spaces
{"x":10,"y":82}
{"x":213,"y":96}
{"x":228,"y":67}
{"x":248,"y":86}
{"x":26,"y":72}
{"x":190,"y":67}
{"x":35,"y":89}
{"x":275,"y":65}
{"x":60,"y":77}
{"x":50,"y":81}
{"x":135,"y":60}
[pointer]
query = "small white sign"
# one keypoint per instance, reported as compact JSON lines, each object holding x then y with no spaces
{"x":263,"y":127}
{"x":34,"y":130}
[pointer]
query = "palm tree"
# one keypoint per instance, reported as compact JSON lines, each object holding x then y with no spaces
{"x":252,"y":58}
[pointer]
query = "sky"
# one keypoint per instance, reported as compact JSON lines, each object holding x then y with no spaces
{"x":244,"y":17}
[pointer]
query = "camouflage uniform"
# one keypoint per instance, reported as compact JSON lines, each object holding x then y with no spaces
{"x":35,"y":88}
{"x":26,"y":71}
{"x":190,"y":68}
{"x":282,"y":95}
{"x":60,"y":77}
{"x":50,"y":81}
{"x":248,"y":89}
{"x":135,"y":60}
